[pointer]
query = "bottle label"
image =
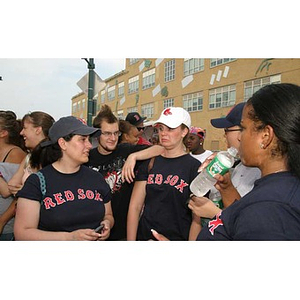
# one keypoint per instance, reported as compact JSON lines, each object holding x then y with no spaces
{"x":216,"y":167}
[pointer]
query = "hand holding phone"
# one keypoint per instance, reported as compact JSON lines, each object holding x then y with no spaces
{"x":100,"y":228}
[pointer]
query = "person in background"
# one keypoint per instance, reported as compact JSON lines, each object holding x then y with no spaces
{"x":129,"y":133}
{"x":240,"y":181}
{"x":108,"y":158}
{"x":135,"y":119}
{"x":67,"y":201}
{"x":12,"y":153}
{"x":161,"y":188}
{"x":194,"y":144}
{"x":35,"y":128}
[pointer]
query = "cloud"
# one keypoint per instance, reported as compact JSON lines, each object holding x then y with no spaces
{"x":47,"y":84}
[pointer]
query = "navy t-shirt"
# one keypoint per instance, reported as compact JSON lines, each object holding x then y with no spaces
{"x":72,"y":201}
{"x":167,"y":191}
{"x":271,"y":211}
{"x":110,"y":166}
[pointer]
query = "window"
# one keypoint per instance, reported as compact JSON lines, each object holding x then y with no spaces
{"x":222,"y":97}
{"x":148,"y":110}
{"x":74,"y":107}
{"x":132,"y":109}
{"x":133,"y":84}
{"x":78,"y":106}
{"x":170,"y":70}
{"x":148,"y":79}
{"x":219,"y":61}
{"x":193,"y":102}
{"x":83,"y":103}
{"x":168,"y":103}
{"x":121,"y":89}
{"x":102,"y":96}
{"x":111,"y":92}
{"x":250,"y":87}
{"x":193,"y":65}
{"x":133,"y":60}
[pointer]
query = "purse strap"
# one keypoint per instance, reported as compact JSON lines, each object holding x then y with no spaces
{"x":42,"y":182}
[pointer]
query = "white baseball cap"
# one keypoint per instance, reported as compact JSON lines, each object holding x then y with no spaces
{"x":174,"y":117}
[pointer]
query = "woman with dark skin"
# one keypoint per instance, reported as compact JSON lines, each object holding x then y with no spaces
{"x":270,"y":141}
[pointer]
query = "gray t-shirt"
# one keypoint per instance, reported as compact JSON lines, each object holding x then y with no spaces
{"x":7,"y":170}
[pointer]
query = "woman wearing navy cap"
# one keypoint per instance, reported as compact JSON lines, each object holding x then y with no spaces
{"x":66,"y":200}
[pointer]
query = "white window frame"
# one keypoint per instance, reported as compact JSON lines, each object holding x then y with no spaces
{"x":121,"y":89}
{"x":193,"y":102}
{"x":214,"y":62}
{"x":148,"y":79}
{"x":251,"y":86}
{"x":132,"y":109}
{"x":74,"y":108}
{"x":192,"y":66}
{"x":111,"y":93}
{"x":133,"y":84}
{"x":147,"y":110}
{"x":168,"y":103}
{"x":133,"y":61}
{"x":170,"y":70}
{"x":222,"y":97}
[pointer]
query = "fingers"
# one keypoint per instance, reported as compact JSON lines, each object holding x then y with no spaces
{"x":158,"y":236}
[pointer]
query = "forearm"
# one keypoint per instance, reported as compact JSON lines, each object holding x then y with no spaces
{"x":4,"y":190}
{"x":195,"y":228}
{"x":229,"y":195}
{"x":132,"y":223}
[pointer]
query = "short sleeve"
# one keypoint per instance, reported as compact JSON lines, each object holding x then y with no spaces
{"x":31,"y":189}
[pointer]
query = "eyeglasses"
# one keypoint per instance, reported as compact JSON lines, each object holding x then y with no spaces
{"x":140,"y":128}
{"x":110,"y":134}
{"x":229,"y":130}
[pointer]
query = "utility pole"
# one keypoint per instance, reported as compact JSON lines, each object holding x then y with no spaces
{"x":91,"y":102}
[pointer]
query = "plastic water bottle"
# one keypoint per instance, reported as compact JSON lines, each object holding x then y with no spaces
{"x":221,"y":164}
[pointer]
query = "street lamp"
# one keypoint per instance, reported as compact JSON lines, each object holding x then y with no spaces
{"x":91,"y":102}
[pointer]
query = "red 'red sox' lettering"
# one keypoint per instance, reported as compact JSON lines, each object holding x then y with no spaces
{"x":171,"y":180}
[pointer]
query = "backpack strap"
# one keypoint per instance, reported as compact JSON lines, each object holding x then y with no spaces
{"x":42,"y":182}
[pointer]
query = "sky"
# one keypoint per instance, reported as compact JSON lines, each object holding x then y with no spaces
{"x":47,"y":84}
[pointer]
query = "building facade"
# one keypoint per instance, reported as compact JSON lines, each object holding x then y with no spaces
{"x":206,"y":88}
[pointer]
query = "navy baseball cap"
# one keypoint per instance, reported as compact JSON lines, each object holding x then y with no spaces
{"x":135,"y":118}
{"x":69,"y":125}
{"x":233,"y":118}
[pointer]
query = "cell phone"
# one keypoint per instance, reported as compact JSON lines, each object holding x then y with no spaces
{"x":99,"y":228}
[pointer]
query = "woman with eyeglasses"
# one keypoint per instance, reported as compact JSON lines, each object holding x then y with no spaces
{"x":12,"y":152}
{"x":65,"y":200}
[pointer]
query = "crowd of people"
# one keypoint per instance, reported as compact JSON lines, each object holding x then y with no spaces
{"x":65,"y":180}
